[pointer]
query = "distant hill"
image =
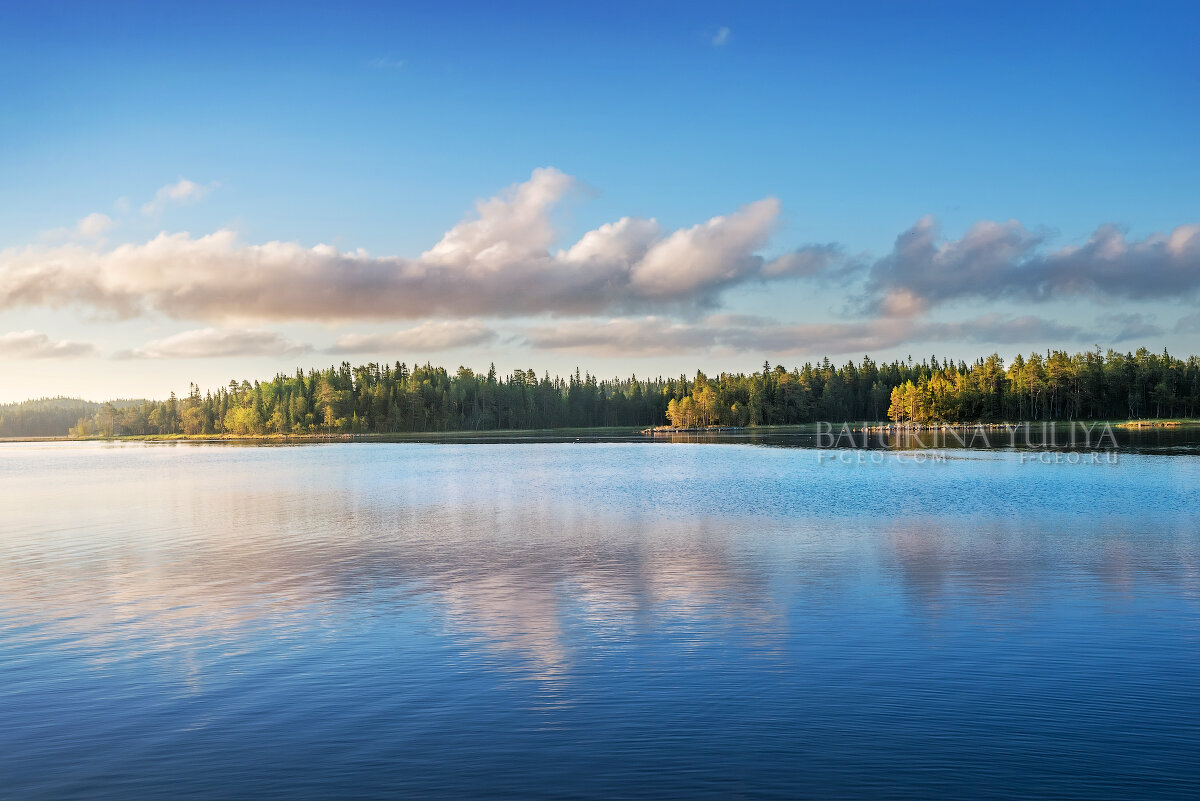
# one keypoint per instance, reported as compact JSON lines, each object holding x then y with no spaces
{"x":49,"y":417}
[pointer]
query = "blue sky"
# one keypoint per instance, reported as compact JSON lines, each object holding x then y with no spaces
{"x":380,"y":127}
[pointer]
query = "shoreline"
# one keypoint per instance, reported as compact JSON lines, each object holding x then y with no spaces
{"x":614,"y":431}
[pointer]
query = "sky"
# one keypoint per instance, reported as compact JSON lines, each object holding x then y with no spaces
{"x":205,"y":192}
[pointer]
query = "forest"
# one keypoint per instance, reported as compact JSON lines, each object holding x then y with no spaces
{"x":50,"y":417}
{"x":381,"y":398}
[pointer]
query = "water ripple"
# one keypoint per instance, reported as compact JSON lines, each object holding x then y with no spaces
{"x":627,"y":620}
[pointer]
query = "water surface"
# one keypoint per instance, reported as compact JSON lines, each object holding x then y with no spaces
{"x":636,"y":620}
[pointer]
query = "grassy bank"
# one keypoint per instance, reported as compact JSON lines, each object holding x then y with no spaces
{"x":400,"y":436}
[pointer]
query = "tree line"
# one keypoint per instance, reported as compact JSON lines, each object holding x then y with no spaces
{"x":50,"y":417}
{"x":382,"y":398}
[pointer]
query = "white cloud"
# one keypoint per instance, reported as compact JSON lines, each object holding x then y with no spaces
{"x":426,"y":337}
{"x":504,"y":261}
{"x":36,"y":345}
{"x":721,"y":36}
{"x":497,"y":263}
{"x":181,"y":192}
{"x":206,"y":343}
{"x":93,"y":225}
{"x":512,"y":227}
{"x":714,"y":254}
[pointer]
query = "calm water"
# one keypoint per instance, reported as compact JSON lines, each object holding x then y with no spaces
{"x":595,"y":621}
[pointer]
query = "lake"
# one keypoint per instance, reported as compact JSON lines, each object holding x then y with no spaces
{"x":596,"y":620}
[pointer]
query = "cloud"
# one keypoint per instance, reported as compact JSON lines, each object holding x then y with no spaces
{"x":1008,"y":261}
{"x":510,"y":228}
{"x":386,"y":63}
{"x":426,"y":337}
{"x":714,"y":254}
{"x":92,"y":226}
{"x":207,"y":343}
{"x":1131,"y":326}
{"x":647,"y":336}
{"x":497,"y":263}
{"x":999,"y":329}
{"x":504,"y":260}
{"x":181,"y":192}
{"x":1188,"y":324}
{"x":652,"y":336}
{"x":36,"y":345}
{"x":814,"y":261}
{"x":721,"y":36}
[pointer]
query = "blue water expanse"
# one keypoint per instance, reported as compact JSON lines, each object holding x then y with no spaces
{"x":628,"y":620}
